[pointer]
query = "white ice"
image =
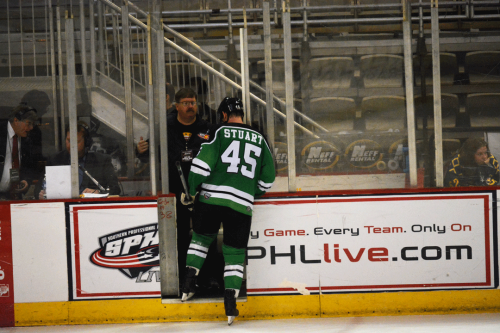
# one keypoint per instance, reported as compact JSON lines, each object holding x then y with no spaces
{"x":468,"y":323}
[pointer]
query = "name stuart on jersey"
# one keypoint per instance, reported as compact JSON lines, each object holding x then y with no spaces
{"x":242,"y":135}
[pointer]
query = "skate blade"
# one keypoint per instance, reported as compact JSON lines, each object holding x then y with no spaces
{"x":186,"y":297}
{"x":230,"y":319}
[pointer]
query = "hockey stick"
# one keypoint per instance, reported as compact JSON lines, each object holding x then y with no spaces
{"x":93,"y":179}
{"x":183,"y":181}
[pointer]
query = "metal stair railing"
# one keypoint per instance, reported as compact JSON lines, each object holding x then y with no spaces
{"x":111,"y":62}
{"x":228,"y":68}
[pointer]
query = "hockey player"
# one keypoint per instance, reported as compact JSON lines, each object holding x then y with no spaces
{"x":233,"y":167}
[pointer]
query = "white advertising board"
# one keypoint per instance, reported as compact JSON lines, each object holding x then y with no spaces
{"x":114,"y":250}
{"x":39,"y":252}
{"x":372,"y":243}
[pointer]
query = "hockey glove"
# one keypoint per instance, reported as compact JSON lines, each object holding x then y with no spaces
{"x":186,"y":202}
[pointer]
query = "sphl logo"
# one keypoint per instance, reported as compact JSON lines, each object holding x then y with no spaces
{"x":132,"y":251}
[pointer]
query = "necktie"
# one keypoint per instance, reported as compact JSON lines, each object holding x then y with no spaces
{"x":15,"y":153}
{"x":15,"y":165}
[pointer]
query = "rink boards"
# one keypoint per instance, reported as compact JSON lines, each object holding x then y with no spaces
{"x":372,"y":243}
{"x":309,"y":255}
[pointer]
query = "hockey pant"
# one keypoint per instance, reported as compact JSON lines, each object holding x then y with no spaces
{"x":207,"y":220}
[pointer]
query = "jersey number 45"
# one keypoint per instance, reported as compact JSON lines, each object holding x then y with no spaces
{"x":231,"y":156}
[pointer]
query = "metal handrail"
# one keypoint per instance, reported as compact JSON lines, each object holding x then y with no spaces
{"x":230,"y":82}
{"x":139,"y":24}
{"x":203,"y":64}
{"x":469,"y":5}
{"x":232,"y":71}
{"x":333,"y":8}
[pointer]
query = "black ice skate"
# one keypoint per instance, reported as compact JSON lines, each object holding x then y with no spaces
{"x":189,"y":286}
{"x":230,"y":305}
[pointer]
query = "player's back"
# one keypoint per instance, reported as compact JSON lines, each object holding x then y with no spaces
{"x":233,"y":167}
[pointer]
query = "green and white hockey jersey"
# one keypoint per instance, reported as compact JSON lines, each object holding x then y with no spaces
{"x":232,"y":168}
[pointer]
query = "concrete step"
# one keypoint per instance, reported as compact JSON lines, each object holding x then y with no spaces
{"x":109,"y":107}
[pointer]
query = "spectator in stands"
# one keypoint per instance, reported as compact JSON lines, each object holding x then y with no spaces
{"x":474,"y":165}
{"x":17,"y":156}
{"x":96,"y":164}
{"x":205,"y":111}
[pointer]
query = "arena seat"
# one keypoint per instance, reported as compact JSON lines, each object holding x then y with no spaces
{"x":449,"y":109}
{"x":450,"y":148}
{"x":448,"y":68}
{"x":483,"y":66}
{"x":382,"y":70}
{"x":331,"y":72}
{"x":483,"y":109}
{"x":279,"y":75}
{"x":384,"y":113}
{"x":336,"y":114}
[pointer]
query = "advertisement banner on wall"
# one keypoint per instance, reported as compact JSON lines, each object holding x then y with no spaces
{"x":114,"y":250}
{"x":372,"y":243}
{"x":6,"y":271}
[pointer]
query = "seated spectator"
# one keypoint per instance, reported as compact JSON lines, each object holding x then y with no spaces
{"x":474,"y":165}
{"x":96,"y":164}
{"x":17,"y":157}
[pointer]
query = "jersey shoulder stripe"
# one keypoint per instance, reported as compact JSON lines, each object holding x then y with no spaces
{"x":200,"y":167}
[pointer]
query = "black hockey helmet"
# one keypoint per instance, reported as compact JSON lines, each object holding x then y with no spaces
{"x":230,"y":105}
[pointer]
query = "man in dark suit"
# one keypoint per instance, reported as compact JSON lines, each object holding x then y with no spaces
{"x":17,"y":160}
{"x":97,"y":165}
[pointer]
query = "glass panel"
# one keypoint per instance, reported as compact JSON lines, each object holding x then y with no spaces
{"x":25,"y":72}
{"x":471,"y":147}
{"x":469,"y":63}
{"x":353,"y":91}
{"x":347,"y":77}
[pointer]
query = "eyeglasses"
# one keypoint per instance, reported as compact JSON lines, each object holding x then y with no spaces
{"x":186,"y":104}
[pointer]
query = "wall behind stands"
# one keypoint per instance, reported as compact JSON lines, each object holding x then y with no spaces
{"x":310,"y":255}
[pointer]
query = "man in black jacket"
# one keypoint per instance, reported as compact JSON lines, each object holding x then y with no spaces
{"x":14,"y":141}
{"x":185,"y":134}
{"x":98,"y":165}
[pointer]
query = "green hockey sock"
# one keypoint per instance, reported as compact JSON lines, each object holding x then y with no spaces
{"x":233,"y":269}
{"x":198,"y":249}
